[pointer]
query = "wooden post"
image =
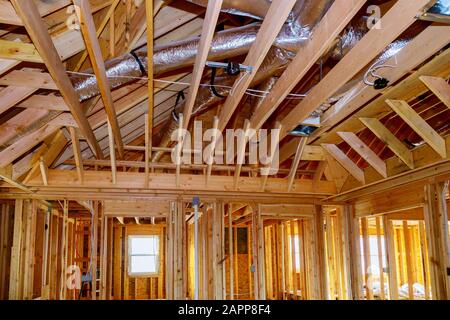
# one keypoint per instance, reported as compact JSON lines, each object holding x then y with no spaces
{"x":353,"y":250}
{"x":367,"y":260}
{"x":94,"y":245}
{"x":260,"y":253}
{"x":255,"y":254}
{"x":409,"y":272}
{"x":104,"y":257}
{"x":64,"y":253}
{"x":390,"y":258}
{"x":15,"y":252}
{"x":218,"y":254}
{"x":380,"y":256}
{"x":29,"y":248}
{"x":179,"y":256}
{"x":230,"y":251}
{"x":436,"y":225}
{"x":320,"y":258}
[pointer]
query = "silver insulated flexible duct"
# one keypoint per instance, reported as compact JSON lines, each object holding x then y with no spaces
{"x":225,"y":45}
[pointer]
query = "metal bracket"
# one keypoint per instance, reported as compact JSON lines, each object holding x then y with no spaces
{"x":222,"y":65}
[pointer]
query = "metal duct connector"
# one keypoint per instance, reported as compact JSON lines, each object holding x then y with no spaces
{"x":275,"y":61}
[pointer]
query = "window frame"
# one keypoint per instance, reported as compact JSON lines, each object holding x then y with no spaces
{"x":157,"y":255}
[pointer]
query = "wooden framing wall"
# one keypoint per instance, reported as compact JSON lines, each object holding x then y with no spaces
{"x":41,"y":252}
{"x":128,"y":287}
{"x":352,"y":251}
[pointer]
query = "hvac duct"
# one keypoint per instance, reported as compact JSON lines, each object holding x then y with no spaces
{"x":256,"y":9}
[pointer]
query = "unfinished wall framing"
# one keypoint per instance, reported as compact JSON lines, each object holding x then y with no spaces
{"x":106,"y":194}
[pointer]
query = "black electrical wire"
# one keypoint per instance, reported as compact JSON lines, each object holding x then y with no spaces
{"x":213,"y":87}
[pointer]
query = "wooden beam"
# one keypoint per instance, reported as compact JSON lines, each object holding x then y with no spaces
{"x":38,"y":101}
{"x":15,"y":126}
{"x":394,"y":22}
{"x":120,"y":219}
{"x":311,"y":153}
{"x":209,"y":27}
{"x":83,"y":9}
{"x":179,"y":148}
{"x":276,"y":16}
{"x":437,"y":171}
{"x":439,"y":87}
{"x":44,"y":44}
{"x":436,"y":224}
{"x":22,"y":187}
{"x":334,"y":21}
{"x":16,"y":252}
{"x":345,"y":161}
{"x":9,"y":16}
{"x":29,"y":78}
{"x":44,"y":169}
{"x":149,"y":119}
{"x":296,"y":162}
{"x":367,"y":102}
{"x":240,"y":158}
{"x":365,"y":152}
{"x":77,"y":154}
{"x":390,"y":140}
{"x":162,"y":181}
{"x":12,"y":95}
{"x":20,"y":147}
{"x":112,"y":154}
{"x":419,"y":125}
{"x":20,"y":51}
{"x":108,"y":17}
{"x":390,"y":258}
{"x":210,"y":159}
{"x":268,"y":170}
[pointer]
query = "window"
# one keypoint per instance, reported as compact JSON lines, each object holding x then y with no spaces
{"x":296,"y":250}
{"x":143,"y":255}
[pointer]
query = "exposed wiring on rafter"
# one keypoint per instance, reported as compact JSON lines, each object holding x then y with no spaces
{"x":371,"y":71}
{"x":252,"y":92}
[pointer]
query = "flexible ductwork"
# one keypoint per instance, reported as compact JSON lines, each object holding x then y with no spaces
{"x":275,"y":61}
{"x":225,"y":45}
{"x":256,"y":9}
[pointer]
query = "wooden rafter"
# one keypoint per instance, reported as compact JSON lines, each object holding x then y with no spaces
{"x":209,"y":27}
{"x":334,"y":21}
{"x":419,"y":125}
{"x":394,"y":22}
{"x":95,"y":180}
{"x":390,"y":140}
{"x":365,"y":152}
{"x":149,"y":118}
{"x":439,"y":86}
{"x":87,"y":25}
{"x":241,"y":154}
{"x":271,"y":26}
{"x":411,"y":56}
{"x":112,"y":154}
{"x":296,"y":162}
{"x":44,"y":169}
{"x":77,"y":154}
{"x":44,"y":44}
{"x":345,"y":161}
